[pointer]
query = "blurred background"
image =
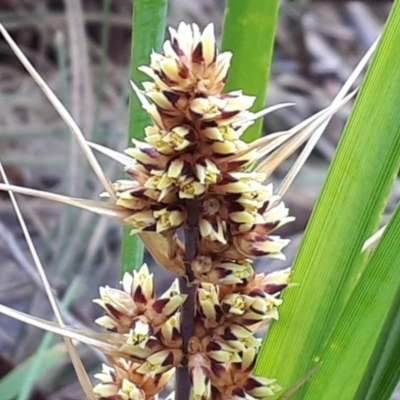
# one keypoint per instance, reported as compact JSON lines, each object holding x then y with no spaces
{"x":82,"y":50}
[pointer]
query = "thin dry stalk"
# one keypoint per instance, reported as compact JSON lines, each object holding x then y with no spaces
{"x":76,"y":361}
{"x":65,"y":115}
{"x":82,"y":87}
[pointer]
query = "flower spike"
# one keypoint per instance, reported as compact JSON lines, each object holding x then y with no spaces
{"x":192,"y":172}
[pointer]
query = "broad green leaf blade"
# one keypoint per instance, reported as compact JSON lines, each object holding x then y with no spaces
{"x":367,"y":317}
{"x":10,"y":385}
{"x":148,"y":27}
{"x":347,"y":212}
{"x":383,"y":374}
{"x":249,"y":32}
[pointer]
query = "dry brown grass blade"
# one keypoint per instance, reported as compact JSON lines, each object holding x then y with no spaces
{"x":156,"y":244}
{"x":106,"y":342}
{"x":269,"y":143}
{"x":101,"y":208}
{"x":263,"y":113}
{"x":82,"y":101}
{"x":65,"y":115}
{"x":295,"y":169}
{"x":76,"y":360}
{"x":114,"y":155}
{"x":276,"y":158}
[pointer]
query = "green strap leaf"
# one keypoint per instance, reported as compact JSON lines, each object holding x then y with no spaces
{"x":148,"y":23}
{"x":367,"y":317}
{"x":249,"y":32}
{"x":383,"y":372}
{"x":347,"y":212}
{"x":10,"y":385}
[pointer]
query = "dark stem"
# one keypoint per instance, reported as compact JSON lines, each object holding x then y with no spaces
{"x":182,"y":382}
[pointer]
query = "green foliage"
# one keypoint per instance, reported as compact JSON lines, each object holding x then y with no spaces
{"x":10,"y":385}
{"x":366,"y":318}
{"x":383,"y":373}
{"x":330,"y":262}
{"x":249,"y":32}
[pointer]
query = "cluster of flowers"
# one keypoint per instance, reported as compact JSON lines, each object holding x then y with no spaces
{"x":222,"y":351}
{"x":194,"y":154}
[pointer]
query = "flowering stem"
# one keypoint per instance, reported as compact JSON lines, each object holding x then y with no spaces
{"x":182,"y":387}
{"x":191,"y":235}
